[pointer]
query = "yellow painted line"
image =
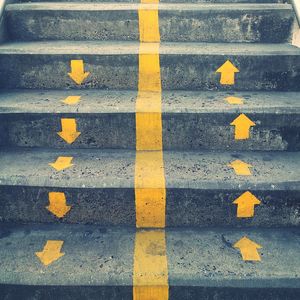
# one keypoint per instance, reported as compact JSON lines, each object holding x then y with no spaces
{"x":240,"y":167}
{"x":51,"y":252}
{"x":248,"y":249}
{"x":77,"y":73}
{"x":227,"y":71}
{"x":234,"y":100}
{"x":71,"y":100}
{"x":62,"y":162}
{"x":242,"y":127}
{"x":148,"y":23}
{"x":58,"y":204}
{"x":69,"y":131}
{"x":150,"y":274}
{"x":245,"y":205}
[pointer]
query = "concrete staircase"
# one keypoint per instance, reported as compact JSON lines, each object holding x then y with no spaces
{"x":209,"y":157}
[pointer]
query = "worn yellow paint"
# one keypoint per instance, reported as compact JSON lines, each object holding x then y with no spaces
{"x":240,"y":167}
{"x":69,"y":131}
{"x":234,"y":100}
{"x":62,"y":162}
{"x":51,"y":252}
{"x":227,"y":71}
{"x":58,"y":204}
{"x":148,"y":23}
{"x":248,"y":249}
{"x":71,"y":100}
{"x":150,"y":191}
{"x":149,"y":1}
{"x":77,"y":71}
{"x":245,"y":205}
{"x":150,"y":272}
{"x":242,"y":127}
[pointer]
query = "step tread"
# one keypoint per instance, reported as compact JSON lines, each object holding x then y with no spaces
{"x":132,"y":48}
{"x":76,"y":6}
{"x":115,"y":169}
{"x":96,"y":256}
{"x":116,"y":102}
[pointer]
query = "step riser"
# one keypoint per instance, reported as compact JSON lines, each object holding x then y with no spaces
{"x":180,"y":131}
{"x":185,"y":207}
{"x":178,"y":71}
{"x":14,"y":292}
{"x":178,"y":26}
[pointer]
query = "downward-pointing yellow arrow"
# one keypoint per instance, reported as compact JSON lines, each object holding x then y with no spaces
{"x":227,"y":71}
{"x":246,"y":203}
{"x":58,"y":204}
{"x":77,"y":71}
{"x":51,"y":252}
{"x":234,"y":100}
{"x":71,"y":100}
{"x":240,"y":167}
{"x":242,"y":127}
{"x":248,"y":249}
{"x":62,"y":162}
{"x":69,"y":130}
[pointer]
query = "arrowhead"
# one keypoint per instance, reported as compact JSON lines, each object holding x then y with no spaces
{"x":51,"y":252}
{"x":79,"y":77}
{"x":58,"y":204}
{"x":71,"y":100}
{"x":62,"y":163}
{"x":68,"y":136}
{"x":248,"y":199}
{"x":240,"y":167}
{"x":242,"y":119}
{"x":228,"y":67}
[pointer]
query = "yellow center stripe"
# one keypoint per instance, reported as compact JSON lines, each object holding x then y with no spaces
{"x":150,"y":279}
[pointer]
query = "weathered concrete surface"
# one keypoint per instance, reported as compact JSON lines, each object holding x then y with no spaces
{"x":114,"y":65}
{"x":98,"y":263}
{"x":191,"y":120}
{"x":163,"y":1}
{"x":100,"y":187}
{"x":268,"y":23}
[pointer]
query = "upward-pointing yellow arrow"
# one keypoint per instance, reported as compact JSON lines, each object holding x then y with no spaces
{"x":69,"y":130}
{"x":248,"y":249}
{"x":242,"y":127}
{"x":58,"y":204}
{"x":77,"y":71}
{"x":246,"y":203}
{"x":240,"y":167}
{"x":227,"y":71}
{"x":51,"y":252}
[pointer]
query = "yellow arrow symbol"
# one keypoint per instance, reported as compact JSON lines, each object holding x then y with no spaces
{"x":242,"y":127}
{"x":248,"y":249}
{"x":69,"y":131}
{"x":71,"y":100}
{"x":62,"y":162}
{"x":240,"y":167}
{"x":58,"y":204}
{"x":227,"y":71}
{"x":77,"y":71}
{"x":234,"y":100}
{"x":51,"y":252}
{"x":246,"y":203}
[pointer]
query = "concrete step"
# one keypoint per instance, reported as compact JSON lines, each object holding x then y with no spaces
{"x":114,"y":65}
{"x":161,"y":1}
{"x":98,"y":263}
{"x":267,"y":23}
{"x":191,"y":120}
{"x":200,"y":187}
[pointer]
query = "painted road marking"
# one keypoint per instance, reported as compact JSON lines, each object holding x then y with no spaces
{"x":227,"y":71}
{"x":51,"y":252}
{"x":150,"y":191}
{"x":62,"y":162}
{"x":148,"y":23}
{"x":58,"y":204}
{"x":150,"y":272}
{"x":240,"y":167}
{"x":234,"y":100}
{"x":242,"y":127}
{"x":69,"y":131}
{"x":248,"y":249}
{"x":245,"y":205}
{"x":71,"y":100}
{"x":77,"y":73}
